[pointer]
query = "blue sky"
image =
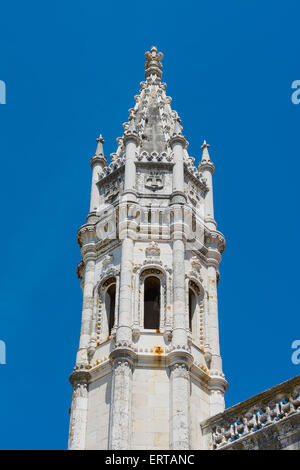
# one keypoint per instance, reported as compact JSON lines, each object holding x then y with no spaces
{"x":71,"y":71}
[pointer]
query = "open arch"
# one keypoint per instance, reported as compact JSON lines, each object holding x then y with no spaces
{"x":192,"y":311}
{"x":108,"y":301}
{"x":152,"y":303}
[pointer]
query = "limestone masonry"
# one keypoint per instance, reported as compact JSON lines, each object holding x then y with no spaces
{"x":148,"y":371}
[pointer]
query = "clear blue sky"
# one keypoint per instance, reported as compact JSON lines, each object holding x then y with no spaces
{"x":72,"y":70}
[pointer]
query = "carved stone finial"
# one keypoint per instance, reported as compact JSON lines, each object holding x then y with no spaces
{"x":100,"y":142}
{"x":206,"y":162}
{"x":205,"y":154}
{"x":99,"y":155}
{"x":153,"y":65}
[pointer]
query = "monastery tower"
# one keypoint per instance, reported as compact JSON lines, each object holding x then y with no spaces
{"x":148,"y":368}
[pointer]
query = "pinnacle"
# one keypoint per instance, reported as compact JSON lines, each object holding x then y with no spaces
{"x":153,"y":65}
{"x":100,"y":142}
{"x":205,"y":154}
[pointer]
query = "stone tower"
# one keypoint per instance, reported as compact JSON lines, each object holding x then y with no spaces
{"x":148,"y":367}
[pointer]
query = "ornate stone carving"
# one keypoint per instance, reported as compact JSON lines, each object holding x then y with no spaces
{"x":196,"y":264}
{"x":112,"y":190}
{"x":153,"y":250}
{"x":180,"y":370}
{"x":154,"y":180}
{"x":267,"y":409}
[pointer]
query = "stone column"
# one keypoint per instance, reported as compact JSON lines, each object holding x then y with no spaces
{"x":87,"y":308}
{"x":98,"y":162}
{"x":207,"y":168}
{"x":179,"y":308}
{"x":217,"y":383}
{"x":78,"y":421}
{"x":130,"y":171}
{"x":213,"y":320}
{"x":124,"y":332}
{"x":179,"y":358}
{"x":123,"y":356}
{"x":178,"y":180}
{"x":180,"y":406}
{"x":119,"y":436}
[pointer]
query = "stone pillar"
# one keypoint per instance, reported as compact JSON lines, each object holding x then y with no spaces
{"x":124,"y":332}
{"x":213,"y":321}
{"x":87,"y":308}
{"x":123,"y":356}
{"x":179,"y":309}
{"x":180,"y":406}
{"x":78,"y":421}
{"x":207,"y":169}
{"x":119,"y":437}
{"x":178,"y":179}
{"x":217,"y":384}
{"x":98,"y":162}
{"x":177,"y":206}
{"x":131,"y":141}
{"x":130,"y":164}
{"x":179,"y":358}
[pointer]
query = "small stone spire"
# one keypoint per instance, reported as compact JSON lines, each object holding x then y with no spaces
{"x":205,"y":154}
{"x":99,"y":150}
{"x":206,"y":163}
{"x":99,"y":157}
{"x":153,"y":65}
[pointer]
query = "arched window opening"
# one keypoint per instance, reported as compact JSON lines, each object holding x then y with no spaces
{"x":110,"y":302}
{"x":192,"y":308}
{"x":194,"y":226}
{"x":152,"y":303}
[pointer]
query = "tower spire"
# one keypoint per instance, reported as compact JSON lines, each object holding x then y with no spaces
{"x":153,"y":65}
{"x":205,"y":154}
{"x":100,"y":142}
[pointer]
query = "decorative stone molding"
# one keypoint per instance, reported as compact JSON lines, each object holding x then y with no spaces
{"x":107,"y":260}
{"x":154,"y":180}
{"x":153,"y":65}
{"x":98,"y":159}
{"x":86,"y":234}
{"x":155,"y":157}
{"x":253,"y":415}
{"x":215,"y":240}
{"x":80,"y":269}
{"x":180,"y":370}
{"x":152,"y":250}
{"x":196,"y":264}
